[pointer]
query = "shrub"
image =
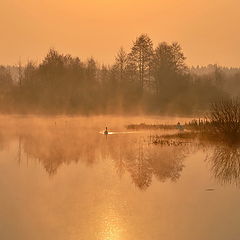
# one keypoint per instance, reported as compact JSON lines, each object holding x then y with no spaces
{"x":224,"y":118}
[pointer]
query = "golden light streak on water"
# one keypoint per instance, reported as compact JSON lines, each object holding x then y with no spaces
{"x":111,"y":222}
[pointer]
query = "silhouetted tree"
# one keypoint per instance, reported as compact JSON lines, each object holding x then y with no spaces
{"x":121,"y":63}
{"x":146,"y":80}
{"x":5,"y":78}
{"x":140,"y":58}
{"x":168,"y":64}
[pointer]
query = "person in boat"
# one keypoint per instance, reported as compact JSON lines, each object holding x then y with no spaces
{"x":106,"y":131}
{"x":180,"y":127}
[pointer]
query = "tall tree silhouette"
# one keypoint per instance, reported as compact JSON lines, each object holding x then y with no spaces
{"x":140,"y":58}
{"x":168,"y":62}
{"x":121,"y":63}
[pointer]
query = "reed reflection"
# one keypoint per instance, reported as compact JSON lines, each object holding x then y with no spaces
{"x":130,"y":154}
{"x":225,"y":164}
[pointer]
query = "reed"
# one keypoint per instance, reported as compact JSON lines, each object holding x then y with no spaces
{"x":224,"y":119}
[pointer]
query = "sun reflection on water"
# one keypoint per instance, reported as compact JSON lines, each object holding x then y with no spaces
{"x":111,"y":225}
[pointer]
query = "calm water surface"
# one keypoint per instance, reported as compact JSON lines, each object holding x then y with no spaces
{"x":61,"y":179}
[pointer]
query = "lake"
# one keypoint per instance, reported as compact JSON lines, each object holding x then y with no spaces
{"x":60,"y":178}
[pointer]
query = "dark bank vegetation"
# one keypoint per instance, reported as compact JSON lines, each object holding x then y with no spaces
{"x":224,"y":119}
{"x":147,"y":79}
{"x":221,"y":123}
{"x":144,"y":126}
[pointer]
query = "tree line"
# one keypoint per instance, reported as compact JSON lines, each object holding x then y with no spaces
{"x":147,"y":79}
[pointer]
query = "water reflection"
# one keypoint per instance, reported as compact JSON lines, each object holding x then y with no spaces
{"x":143,"y":161}
{"x":131,"y":154}
{"x":225,"y":164}
{"x":111,"y":225}
{"x":93,"y":188}
{"x":54,"y":150}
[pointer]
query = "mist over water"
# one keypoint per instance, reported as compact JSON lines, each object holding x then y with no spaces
{"x":61,"y":179}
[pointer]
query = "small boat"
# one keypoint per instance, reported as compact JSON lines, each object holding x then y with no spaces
{"x":106,"y":131}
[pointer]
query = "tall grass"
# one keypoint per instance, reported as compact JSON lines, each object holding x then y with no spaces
{"x":224,"y":119}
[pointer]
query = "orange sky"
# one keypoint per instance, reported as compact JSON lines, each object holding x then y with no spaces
{"x":207,"y":30}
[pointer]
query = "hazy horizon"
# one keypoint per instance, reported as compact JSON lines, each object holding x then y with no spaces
{"x":205,"y":30}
